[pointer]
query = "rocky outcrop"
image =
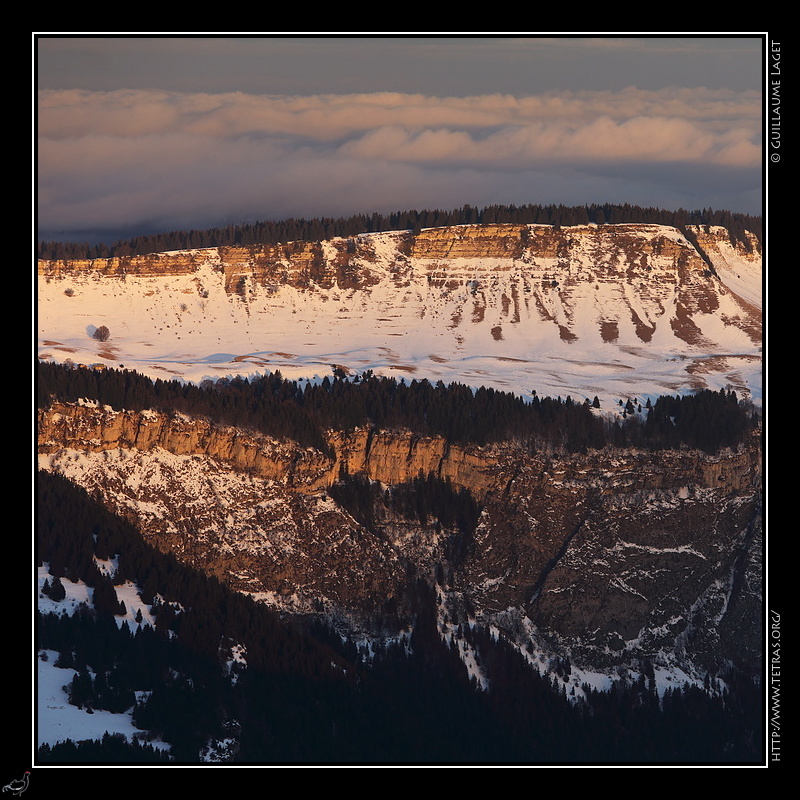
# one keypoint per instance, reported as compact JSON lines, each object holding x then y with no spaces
{"x":471,"y":241}
{"x":299,"y":264}
{"x":154,"y":264}
{"x":390,"y":457}
{"x":90,"y":428}
{"x":716,"y":242}
{"x":633,"y":244}
{"x":387,"y":457}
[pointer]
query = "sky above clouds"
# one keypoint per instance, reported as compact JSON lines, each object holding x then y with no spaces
{"x":156,"y":133}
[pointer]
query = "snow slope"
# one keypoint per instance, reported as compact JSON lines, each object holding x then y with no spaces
{"x":56,"y":719}
{"x":493,"y":322}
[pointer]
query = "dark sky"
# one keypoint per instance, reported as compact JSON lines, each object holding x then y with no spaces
{"x":139,"y":134}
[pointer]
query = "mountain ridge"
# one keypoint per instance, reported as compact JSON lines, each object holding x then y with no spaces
{"x":612,"y":310}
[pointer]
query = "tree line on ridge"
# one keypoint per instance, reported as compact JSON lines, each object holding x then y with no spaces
{"x":304,"y":411}
{"x":318,"y":229}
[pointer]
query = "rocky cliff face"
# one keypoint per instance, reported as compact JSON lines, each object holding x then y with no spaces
{"x":390,"y":457}
{"x":600,"y":558}
{"x":96,"y":430}
{"x":296,"y":264}
{"x":345,"y":262}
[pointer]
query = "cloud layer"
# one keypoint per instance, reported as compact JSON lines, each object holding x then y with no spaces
{"x":130,"y":159}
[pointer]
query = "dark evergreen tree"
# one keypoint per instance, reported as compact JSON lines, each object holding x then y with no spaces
{"x":57,"y":590}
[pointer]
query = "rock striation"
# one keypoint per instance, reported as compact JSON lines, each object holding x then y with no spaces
{"x":344,"y":261}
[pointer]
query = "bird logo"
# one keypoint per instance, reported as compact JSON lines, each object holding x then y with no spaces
{"x":18,"y":787}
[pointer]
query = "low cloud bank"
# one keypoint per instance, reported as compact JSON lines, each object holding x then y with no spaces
{"x":159,"y":160}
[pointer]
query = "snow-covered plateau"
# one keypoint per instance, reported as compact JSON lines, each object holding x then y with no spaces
{"x":611,"y":311}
